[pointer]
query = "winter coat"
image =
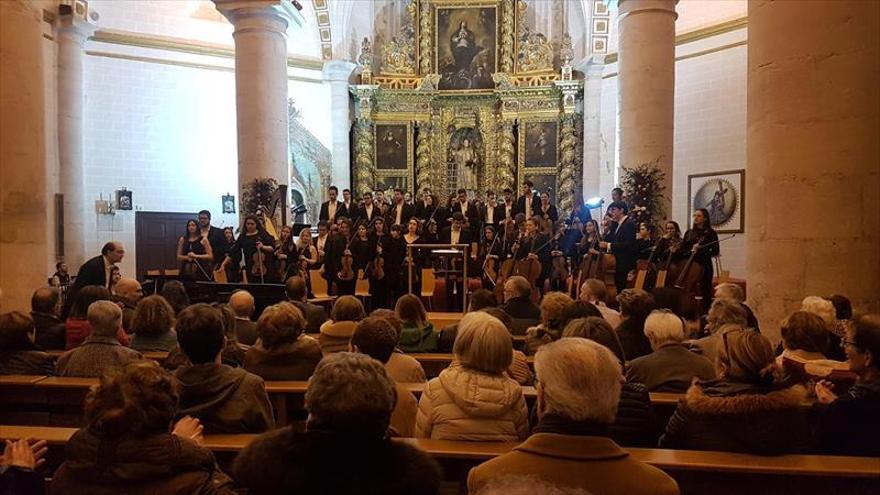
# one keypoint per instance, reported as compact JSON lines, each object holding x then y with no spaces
{"x":671,"y":368}
{"x":165,"y":342}
{"x":292,"y":361}
{"x":26,"y":359}
{"x":94,"y":356}
{"x":162,"y":463}
{"x":740,"y":417}
{"x":404,"y":369}
{"x":415,"y":339}
{"x":76,"y":331}
{"x":848,"y":426}
{"x":466,"y":404}
{"x":631,"y":333}
{"x":315,"y":462}
{"x":50,"y":331}
{"x":224,"y":399}
{"x":334,"y":336}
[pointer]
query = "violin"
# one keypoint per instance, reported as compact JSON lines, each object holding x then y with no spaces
{"x":258,"y":268}
{"x":560,"y":270}
{"x":639,"y":278}
{"x":530,"y":267}
{"x":347,"y":271}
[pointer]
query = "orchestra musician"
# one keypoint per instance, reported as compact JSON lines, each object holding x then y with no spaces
{"x":368,"y":210}
{"x":361,"y":248}
{"x":332,"y":208}
{"x":394,"y":253}
{"x":214,"y":236}
{"x":467,"y":210}
{"x":670,"y":239}
{"x":620,"y":241}
{"x":509,"y":203}
{"x":349,"y":207}
{"x":527,"y":204}
{"x":194,"y":253}
{"x":702,"y":239}
{"x":285,"y":253}
{"x":491,"y":213}
{"x":338,"y":246}
{"x":535,"y":245}
{"x":546,"y":209}
{"x":645,"y":240}
{"x":400,"y":212}
{"x":256,"y":246}
{"x":416,"y":256}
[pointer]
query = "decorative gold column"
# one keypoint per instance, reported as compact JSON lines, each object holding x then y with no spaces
{"x":505,"y":171}
{"x":813,"y":172}
{"x":424,"y":175}
{"x":568,"y":166}
{"x":364,"y":166}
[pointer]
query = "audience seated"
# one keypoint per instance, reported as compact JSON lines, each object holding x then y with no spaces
{"x":743,"y":410}
{"x":242,"y":304}
{"x":45,"y":310}
{"x":376,"y":337}
{"x":417,"y":334}
{"x":518,"y":304}
{"x":175,"y":293}
{"x":825,"y":309}
{"x":128,"y":445}
{"x":552,"y":306}
{"x":735,"y":293}
{"x":297,"y":293}
{"x":671,"y":367}
{"x":805,"y":341}
{"x":336,"y":332}
{"x":345,"y":448}
{"x":722,"y":312}
{"x":519,"y":367}
{"x":18,"y":468}
{"x":473,"y":399}
{"x":282,"y":351}
{"x":481,"y":298}
{"x":224,"y":399}
{"x":526,"y":485}
{"x":843,"y":314}
{"x":578,"y":389}
{"x":578,"y":309}
{"x":234,"y":351}
{"x":401,"y":368}
{"x":634,"y":424}
{"x":153,"y":325}
{"x":101,"y":349}
{"x":127,"y":292}
{"x":76,"y":326}
{"x":594,"y":291}
{"x":18,"y":353}
{"x":848,"y":422}
{"x":635,"y":306}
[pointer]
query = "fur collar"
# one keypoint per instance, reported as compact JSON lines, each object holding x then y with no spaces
{"x":748,"y":401}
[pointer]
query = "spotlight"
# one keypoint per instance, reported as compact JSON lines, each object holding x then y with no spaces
{"x":595,"y":202}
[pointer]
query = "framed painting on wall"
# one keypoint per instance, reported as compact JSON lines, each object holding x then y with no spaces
{"x":723,"y":195}
{"x":393,"y":146}
{"x":538,"y":144}
{"x":466,"y":45}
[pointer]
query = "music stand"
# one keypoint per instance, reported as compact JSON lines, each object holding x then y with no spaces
{"x":448,"y":251}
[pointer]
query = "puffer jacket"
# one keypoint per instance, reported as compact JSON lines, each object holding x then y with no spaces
{"x":334,"y":336}
{"x":465,"y":404}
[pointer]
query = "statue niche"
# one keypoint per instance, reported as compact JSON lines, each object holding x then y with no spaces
{"x":465,"y":160}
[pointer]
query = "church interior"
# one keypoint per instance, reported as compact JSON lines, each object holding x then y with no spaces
{"x":394,"y":166}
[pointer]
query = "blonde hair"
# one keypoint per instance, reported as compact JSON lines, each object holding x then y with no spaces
{"x":744,"y":355}
{"x":728,"y":290}
{"x":663,"y":326}
{"x":552,"y":306}
{"x":820,"y":307}
{"x":347,"y":308}
{"x":483,"y":343}
{"x":579,"y":379}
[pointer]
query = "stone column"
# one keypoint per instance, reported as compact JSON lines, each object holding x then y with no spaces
{"x":813,"y":172}
{"x":337,"y":74}
{"x":24,"y":209}
{"x":592,"y":69}
{"x":646,"y":85}
{"x":73,"y":31}
{"x":260,"y":86}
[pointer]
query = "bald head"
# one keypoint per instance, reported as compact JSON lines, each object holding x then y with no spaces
{"x":45,"y":300}
{"x":129,"y":290}
{"x":242,"y":302}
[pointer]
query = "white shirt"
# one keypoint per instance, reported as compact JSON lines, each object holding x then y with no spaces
{"x":321,"y":241}
{"x":528,"y":205}
{"x":454,"y":236}
{"x":463,"y":207}
{"x":368,"y":210}
{"x":108,"y":267}
{"x":508,"y":210}
{"x":490,"y":214}
{"x":331,"y":211}
{"x":398,"y":214}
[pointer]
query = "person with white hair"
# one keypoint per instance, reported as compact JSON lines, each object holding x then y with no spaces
{"x":473,"y":399}
{"x":734,"y":292}
{"x":101,"y":349}
{"x":671,"y":367}
{"x":577,"y":395}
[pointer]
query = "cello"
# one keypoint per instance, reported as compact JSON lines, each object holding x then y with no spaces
{"x":645,"y":269}
{"x":689,"y":277}
{"x":530,"y":267}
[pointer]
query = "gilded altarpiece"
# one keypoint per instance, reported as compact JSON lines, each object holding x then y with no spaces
{"x":481,"y":101}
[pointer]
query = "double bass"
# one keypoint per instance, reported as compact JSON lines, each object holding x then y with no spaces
{"x":601,"y":266}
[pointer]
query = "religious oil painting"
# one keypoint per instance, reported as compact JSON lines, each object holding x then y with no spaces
{"x":539,"y":145}
{"x":466,"y":46}
{"x":392,"y":146}
{"x":723,"y":195}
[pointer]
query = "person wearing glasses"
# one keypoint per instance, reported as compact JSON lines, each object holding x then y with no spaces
{"x":744,"y":409}
{"x":848,"y":421}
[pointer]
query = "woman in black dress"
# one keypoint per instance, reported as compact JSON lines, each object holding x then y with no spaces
{"x":702,"y":240}
{"x":415,"y":255}
{"x":256,"y":246}
{"x":194,"y":253}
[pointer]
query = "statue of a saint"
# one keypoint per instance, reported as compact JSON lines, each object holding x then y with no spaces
{"x":466,"y":162}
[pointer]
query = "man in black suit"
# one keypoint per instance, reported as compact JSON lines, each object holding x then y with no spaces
{"x":335,"y":248}
{"x":456,"y":233}
{"x":527,"y":204}
{"x":400,"y":212}
{"x":422,"y":209}
{"x":491,"y":213}
{"x":621,"y":242}
{"x":509,"y":204}
{"x":368,"y":210}
{"x":214,"y":235}
{"x":468,"y":211}
{"x":95,"y":271}
{"x":295,"y":289}
{"x":349,"y":207}
{"x":331,"y":209}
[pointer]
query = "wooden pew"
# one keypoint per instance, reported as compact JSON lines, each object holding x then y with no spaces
{"x":159,"y":357}
{"x":697,"y":472}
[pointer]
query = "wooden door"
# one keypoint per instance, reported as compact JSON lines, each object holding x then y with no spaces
{"x":156,"y":235}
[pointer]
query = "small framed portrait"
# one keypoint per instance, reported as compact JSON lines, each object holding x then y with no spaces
{"x":393,"y":146}
{"x":600,"y":26}
{"x":228,"y":203}
{"x":722,"y":194}
{"x":599,"y":7}
{"x":123,"y":200}
{"x":599,"y":44}
{"x":538,"y":144}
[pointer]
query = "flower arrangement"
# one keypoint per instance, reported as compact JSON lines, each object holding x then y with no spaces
{"x":644,"y":191}
{"x":256,"y":195}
